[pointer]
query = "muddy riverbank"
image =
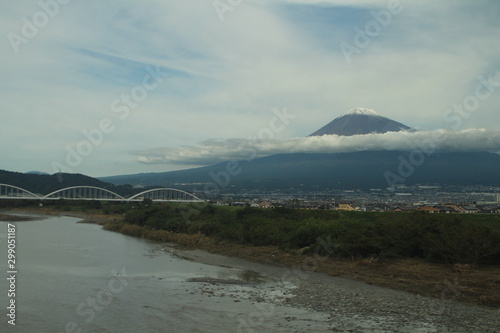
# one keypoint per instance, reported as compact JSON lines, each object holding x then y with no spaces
{"x":355,"y":306}
{"x":339,"y":300}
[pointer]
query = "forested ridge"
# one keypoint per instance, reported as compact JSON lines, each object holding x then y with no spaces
{"x":45,"y":184}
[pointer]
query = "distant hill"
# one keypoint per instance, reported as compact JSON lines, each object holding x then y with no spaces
{"x":36,"y":173}
{"x":361,"y":121}
{"x":45,"y":184}
{"x":363,"y":170}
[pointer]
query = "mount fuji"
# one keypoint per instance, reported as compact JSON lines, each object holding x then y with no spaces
{"x":361,"y":121}
{"x":315,"y":171}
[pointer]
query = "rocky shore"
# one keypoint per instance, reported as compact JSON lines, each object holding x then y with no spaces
{"x":358,"y":307}
{"x":346,"y":305}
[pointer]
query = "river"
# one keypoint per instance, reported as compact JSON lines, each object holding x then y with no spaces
{"x":74,"y":277}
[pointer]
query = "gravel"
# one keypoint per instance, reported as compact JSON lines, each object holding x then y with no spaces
{"x":359,"y":307}
{"x":346,"y":305}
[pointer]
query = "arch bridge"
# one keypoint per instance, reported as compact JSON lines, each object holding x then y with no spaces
{"x":97,"y":193}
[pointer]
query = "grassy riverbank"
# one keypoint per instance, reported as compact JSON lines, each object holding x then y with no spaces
{"x":449,"y":239}
{"x":447,"y":256}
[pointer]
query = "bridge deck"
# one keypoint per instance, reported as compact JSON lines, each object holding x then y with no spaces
{"x":96,"y":193}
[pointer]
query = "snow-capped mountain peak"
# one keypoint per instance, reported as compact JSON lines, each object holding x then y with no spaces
{"x":363,"y":112}
{"x":360,"y":121}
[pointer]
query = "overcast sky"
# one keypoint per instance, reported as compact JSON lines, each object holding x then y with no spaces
{"x":116,"y":87}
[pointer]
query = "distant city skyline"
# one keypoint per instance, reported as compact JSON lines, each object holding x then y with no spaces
{"x":112,"y":88}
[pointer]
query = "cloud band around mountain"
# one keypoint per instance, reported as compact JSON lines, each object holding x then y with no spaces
{"x":215,"y":151}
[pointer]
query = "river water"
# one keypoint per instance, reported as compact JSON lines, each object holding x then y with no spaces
{"x":74,"y":277}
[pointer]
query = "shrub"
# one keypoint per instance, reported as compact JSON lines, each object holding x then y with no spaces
{"x":444,"y":238}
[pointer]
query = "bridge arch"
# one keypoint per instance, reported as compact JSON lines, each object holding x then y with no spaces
{"x":84,"y":193}
{"x":97,"y":193}
{"x":167,"y":194}
{"x":16,"y":192}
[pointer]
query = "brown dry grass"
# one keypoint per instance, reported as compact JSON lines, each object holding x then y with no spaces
{"x":15,"y":218}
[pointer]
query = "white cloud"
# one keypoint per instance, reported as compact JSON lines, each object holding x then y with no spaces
{"x":228,"y":76}
{"x":214,"y":151}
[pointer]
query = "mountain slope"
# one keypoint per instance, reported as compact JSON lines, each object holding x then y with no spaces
{"x":362,"y":170}
{"x":361,"y":121}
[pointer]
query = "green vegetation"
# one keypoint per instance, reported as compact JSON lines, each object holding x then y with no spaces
{"x":466,"y":239}
{"x":444,"y":238}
